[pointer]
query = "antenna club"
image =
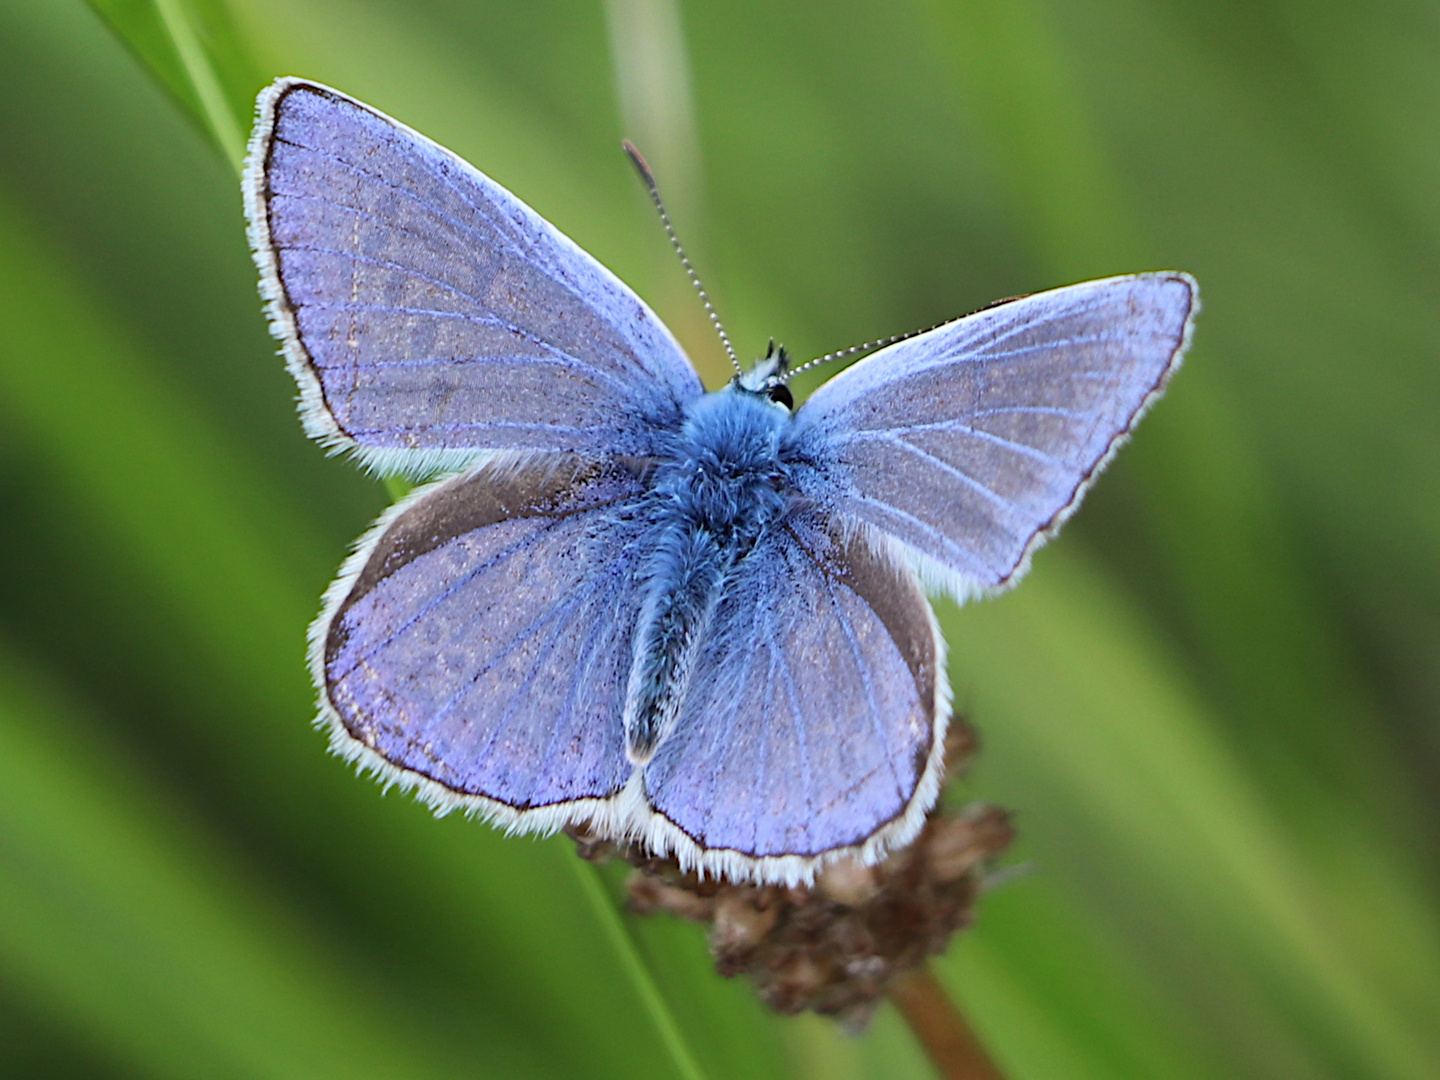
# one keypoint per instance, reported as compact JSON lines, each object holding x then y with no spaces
{"x":638,"y":160}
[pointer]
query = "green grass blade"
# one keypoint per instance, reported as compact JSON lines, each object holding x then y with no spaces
{"x":612,"y":923}
{"x":202,"y":76}
{"x":194,"y":50}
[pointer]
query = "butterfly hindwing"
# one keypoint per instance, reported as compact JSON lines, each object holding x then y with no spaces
{"x":477,"y":644}
{"x":971,"y":443}
{"x":813,"y":719}
{"x":427,"y":313}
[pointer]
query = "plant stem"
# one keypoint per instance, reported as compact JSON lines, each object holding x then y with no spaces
{"x":951,"y":1045}
{"x":592,"y":884}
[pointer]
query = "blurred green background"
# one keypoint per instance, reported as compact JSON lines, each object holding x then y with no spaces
{"x":1213,"y":704}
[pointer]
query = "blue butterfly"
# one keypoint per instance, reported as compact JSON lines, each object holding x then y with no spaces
{"x":695,"y":621}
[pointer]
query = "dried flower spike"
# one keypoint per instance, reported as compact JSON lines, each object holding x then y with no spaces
{"x":837,"y":947}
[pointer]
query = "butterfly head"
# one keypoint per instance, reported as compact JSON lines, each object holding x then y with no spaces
{"x":767,"y":378}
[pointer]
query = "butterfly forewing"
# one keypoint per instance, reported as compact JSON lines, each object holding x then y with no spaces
{"x":971,"y":443}
{"x":427,"y":313}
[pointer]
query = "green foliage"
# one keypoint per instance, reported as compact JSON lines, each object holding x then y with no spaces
{"x":192,"y":48}
{"x":1212,"y":704}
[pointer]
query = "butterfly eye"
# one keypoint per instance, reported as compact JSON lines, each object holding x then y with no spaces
{"x":781,"y":393}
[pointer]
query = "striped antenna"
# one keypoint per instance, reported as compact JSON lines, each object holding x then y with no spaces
{"x":643,"y":168}
{"x":866,"y":347}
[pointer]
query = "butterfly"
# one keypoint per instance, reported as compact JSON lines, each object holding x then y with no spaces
{"x":695,"y":621}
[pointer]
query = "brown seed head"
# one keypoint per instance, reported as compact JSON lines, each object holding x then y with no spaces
{"x":836,"y":947}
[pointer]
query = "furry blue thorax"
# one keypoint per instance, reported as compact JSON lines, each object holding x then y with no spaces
{"x":727,"y":476}
{"x":712,"y":500}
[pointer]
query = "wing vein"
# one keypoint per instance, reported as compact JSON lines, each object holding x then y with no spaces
{"x":959,"y":554}
{"x":863,"y":670}
{"x":802,"y":746}
{"x":959,"y":353}
{"x":945,"y":466}
{"x":584,"y":657}
{"x":1037,"y":410}
{"x":508,"y":241}
{"x":542,"y":654}
{"x":501,"y":237}
{"x":461,"y":582}
{"x":484,"y":316}
{"x":966,"y":429}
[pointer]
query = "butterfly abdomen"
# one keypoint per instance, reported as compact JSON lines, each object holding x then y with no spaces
{"x":711,"y":502}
